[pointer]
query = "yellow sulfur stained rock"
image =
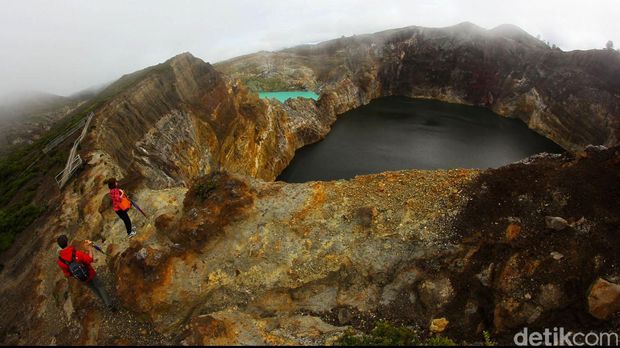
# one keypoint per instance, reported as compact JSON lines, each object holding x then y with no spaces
{"x":439,"y":325}
{"x":604,"y":299}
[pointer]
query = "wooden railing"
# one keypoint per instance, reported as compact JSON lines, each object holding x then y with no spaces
{"x":74,"y":161}
{"x":59,"y":139}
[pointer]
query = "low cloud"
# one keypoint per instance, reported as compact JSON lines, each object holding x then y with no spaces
{"x":62,"y":47}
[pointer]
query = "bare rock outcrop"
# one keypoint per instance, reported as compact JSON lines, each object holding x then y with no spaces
{"x":183,"y":119}
{"x":604,"y":299}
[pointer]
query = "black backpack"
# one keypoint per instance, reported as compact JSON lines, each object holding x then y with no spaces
{"x":77,"y":269}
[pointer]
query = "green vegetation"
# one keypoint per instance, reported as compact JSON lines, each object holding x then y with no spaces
{"x":259,"y":84}
{"x":23,"y":171}
{"x":204,"y":187}
{"x":487,"y":339}
{"x":17,"y":189}
{"x":439,"y":341}
{"x":123,"y":84}
{"x":385,"y":334}
{"x":15,"y":219}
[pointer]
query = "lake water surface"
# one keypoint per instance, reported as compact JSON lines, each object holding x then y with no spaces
{"x":283,"y":96}
{"x":395,"y":133}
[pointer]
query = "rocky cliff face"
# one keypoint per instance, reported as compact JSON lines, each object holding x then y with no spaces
{"x":226,"y":256}
{"x":571,"y":97}
{"x":169,"y":124}
{"x":184,"y":119}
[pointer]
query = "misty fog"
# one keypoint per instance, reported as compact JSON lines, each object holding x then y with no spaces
{"x":63,"y":47}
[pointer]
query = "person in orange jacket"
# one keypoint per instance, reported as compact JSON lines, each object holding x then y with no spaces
{"x":121,"y":205}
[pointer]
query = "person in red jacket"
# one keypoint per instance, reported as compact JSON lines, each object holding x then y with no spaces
{"x":121,"y":205}
{"x":65,"y":257}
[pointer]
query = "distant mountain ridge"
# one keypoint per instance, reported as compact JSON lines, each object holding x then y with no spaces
{"x":27,"y":103}
{"x":570,"y":97}
{"x":25,"y":117}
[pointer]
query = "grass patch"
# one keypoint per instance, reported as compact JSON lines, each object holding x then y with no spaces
{"x":488,"y":341}
{"x":385,"y":334}
{"x":269,"y":84}
{"x":439,"y":341}
{"x":203,"y":188}
{"x":14,"y":220}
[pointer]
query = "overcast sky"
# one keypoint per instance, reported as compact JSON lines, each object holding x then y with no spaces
{"x":63,"y":46}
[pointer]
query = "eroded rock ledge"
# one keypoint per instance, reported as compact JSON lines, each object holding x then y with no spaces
{"x":234,"y":260}
{"x":408,"y":246}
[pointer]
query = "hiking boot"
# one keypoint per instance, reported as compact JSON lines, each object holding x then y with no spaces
{"x":133,"y":233}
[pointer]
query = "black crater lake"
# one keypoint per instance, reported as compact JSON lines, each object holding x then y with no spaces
{"x":395,"y":133}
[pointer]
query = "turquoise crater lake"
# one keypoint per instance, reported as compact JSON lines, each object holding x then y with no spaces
{"x":396,"y":133}
{"x":283,"y":96}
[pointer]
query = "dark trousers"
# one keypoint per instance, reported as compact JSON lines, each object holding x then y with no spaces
{"x":125,"y":217}
{"x":99,"y":290}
